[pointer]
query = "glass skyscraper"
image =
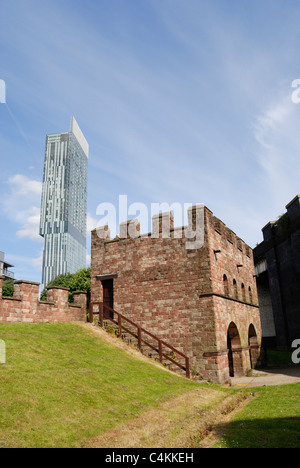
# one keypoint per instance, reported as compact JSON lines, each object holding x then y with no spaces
{"x":64,"y":203}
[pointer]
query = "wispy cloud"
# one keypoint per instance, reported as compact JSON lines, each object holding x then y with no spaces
{"x":276,"y":130}
{"x":37,"y":262}
{"x":21,"y":205}
{"x":91,"y":223}
{"x":30,"y":228}
{"x":27,"y":267}
{"x":272,"y":121}
{"x":165,"y":93}
{"x":23,"y":186}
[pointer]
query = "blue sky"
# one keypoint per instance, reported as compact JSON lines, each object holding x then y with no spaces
{"x":181,"y":101}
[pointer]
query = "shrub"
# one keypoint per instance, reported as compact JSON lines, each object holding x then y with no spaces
{"x":8,"y":288}
{"x":79,"y":281}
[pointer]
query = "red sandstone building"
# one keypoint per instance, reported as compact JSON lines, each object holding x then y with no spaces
{"x":199,"y":297}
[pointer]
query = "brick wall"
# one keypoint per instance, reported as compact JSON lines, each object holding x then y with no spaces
{"x":188,"y":297}
{"x":25,"y":306}
{"x":235,"y":299}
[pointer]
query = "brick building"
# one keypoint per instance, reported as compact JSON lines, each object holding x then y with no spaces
{"x":277,"y":261}
{"x":199,"y":295}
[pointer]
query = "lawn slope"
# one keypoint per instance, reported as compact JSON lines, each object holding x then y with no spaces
{"x":63,"y":385}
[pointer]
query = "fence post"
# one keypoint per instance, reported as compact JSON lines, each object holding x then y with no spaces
{"x":120,"y":325}
{"x":187,"y":367}
{"x":140,"y":338}
{"x":101,"y":314}
{"x":160,"y":351}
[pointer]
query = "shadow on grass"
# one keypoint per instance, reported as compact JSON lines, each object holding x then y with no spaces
{"x":262,"y":433}
{"x":291,"y":371}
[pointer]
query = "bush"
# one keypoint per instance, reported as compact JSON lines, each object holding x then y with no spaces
{"x":79,"y":281}
{"x":8,"y":288}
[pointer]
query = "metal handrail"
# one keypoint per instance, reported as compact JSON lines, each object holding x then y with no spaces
{"x":140,"y":330}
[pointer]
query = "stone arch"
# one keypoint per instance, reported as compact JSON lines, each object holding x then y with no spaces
{"x":235,"y":363}
{"x":253,"y":346}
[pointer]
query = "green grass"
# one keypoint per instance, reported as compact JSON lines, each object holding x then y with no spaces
{"x":62,"y":385}
{"x":270,"y":420}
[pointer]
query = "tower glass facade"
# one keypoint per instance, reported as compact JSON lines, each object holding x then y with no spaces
{"x":64,"y":203}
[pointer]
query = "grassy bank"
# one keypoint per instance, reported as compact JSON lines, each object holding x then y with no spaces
{"x":67,"y":386}
{"x":61,"y":386}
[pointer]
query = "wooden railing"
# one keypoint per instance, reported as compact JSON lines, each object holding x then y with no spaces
{"x":107,"y":313}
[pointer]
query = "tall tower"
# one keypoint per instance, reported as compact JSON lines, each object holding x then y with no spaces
{"x":64,"y":203}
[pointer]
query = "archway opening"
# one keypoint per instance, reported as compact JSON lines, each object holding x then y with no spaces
{"x":233,"y":345}
{"x":253,"y":346}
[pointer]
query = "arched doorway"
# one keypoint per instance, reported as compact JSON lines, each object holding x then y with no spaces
{"x":234,"y":346}
{"x":253,"y":346}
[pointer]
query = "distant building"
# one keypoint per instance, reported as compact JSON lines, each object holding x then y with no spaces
{"x":277,"y":263}
{"x":64,"y":203}
{"x":4,"y":268}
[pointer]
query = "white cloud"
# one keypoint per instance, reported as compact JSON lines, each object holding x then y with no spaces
{"x":271,"y":121}
{"x":27,"y":267}
{"x":22,"y":185}
{"x":88,"y":259}
{"x":37,"y":262}
{"x":21,"y":205}
{"x":276,"y":130}
{"x":91,"y":223}
{"x":30,"y":228}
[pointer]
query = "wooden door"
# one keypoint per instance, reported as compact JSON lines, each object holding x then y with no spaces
{"x":108,"y":296}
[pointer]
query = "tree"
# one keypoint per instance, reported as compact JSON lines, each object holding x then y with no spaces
{"x":8,"y":288}
{"x":79,"y":281}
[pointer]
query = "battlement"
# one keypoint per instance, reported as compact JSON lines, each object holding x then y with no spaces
{"x":162,"y":227}
{"x":200,"y":221}
{"x":25,"y":306}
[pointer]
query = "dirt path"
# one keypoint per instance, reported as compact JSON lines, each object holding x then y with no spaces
{"x":183,"y":422}
{"x":170,"y":425}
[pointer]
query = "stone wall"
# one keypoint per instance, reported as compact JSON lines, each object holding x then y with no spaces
{"x":186,"y":296}
{"x":25,"y":306}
